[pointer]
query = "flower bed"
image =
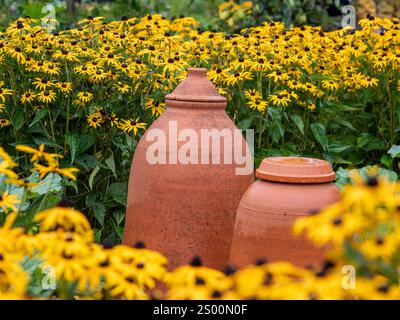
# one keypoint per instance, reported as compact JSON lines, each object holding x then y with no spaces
{"x":90,"y":92}
{"x":61,"y":260}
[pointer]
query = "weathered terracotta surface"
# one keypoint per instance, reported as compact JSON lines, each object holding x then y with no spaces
{"x":186,"y":210}
{"x":288,"y":188}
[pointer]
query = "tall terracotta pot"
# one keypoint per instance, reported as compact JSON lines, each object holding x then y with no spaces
{"x":288,"y":188}
{"x":183,"y":210}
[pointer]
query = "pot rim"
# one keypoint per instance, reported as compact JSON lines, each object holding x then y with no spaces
{"x":295,"y":170}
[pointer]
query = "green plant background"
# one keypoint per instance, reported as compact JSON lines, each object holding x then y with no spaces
{"x":292,"y":12}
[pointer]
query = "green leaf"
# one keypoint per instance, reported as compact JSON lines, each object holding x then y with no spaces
{"x":111,"y":164}
{"x":39,"y":116}
{"x":31,"y":264}
{"x":369,"y":143}
{"x":118,"y":192}
{"x":51,"y":183}
{"x":18,"y":118}
{"x":72,"y":140}
{"x":117,"y":141}
{"x":376,"y":144}
{"x":71,"y":183}
{"x":86,"y":161}
{"x":394,"y":151}
{"x":97,"y":235}
{"x":275,"y":128}
{"x":85,"y":142}
{"x":99,"y":211}
{"x":341,"y":144}
{"x":298,"y":121}
{"x":345,"y":123}
{"x":276,"y":131}
{"x":91,"y":199}
{"x":245,"y":124}
{"x":130,"y":142}
{"x":319,"y":132}
{"x":363,"y":140}
{"x":337,"y":159}
{"x":342,"y":178}
{"x":343,"y":107}
{"x":275,"y":114}
{"x":386,"y":161}
{"x":119,"y":230}
{"x":343,"y":175}
{"x":93,"y":175}
{"x":339,"y":148}
{"x":353,"y":254}
{"x":46,"y":142}
{"x":51,"y":201}
{"x":79,"y":143}
{"x":389,"y":174}
{"x":119,"y":216}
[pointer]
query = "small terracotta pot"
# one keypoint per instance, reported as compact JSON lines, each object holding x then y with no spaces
{"x":288,"y":188}
{"x":186,"y":210}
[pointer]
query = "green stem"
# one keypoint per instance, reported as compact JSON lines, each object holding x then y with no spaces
{"x":13,"y":87}
{"x":392,"y":115}
{"x":259,"y":85}
{"x":306,"y":128}
{"x":68,"y":108}
{"x":51,"y":124}
{"x":259,"y":133}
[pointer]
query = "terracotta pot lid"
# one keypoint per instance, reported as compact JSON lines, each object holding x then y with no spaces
{"x":196,"y":88}
{"x":295,"y":170}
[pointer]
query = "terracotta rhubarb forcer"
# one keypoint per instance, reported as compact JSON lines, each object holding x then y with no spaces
{"x":183,"y":210}
{"x":288,"y":188}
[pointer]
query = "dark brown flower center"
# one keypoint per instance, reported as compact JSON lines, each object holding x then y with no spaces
{"x":130,"y":279}
{"x":337,"y":221}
